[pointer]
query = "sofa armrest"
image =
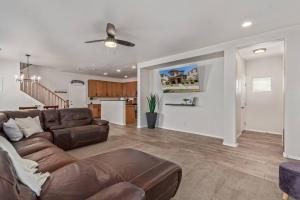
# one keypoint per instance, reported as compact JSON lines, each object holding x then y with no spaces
{"x":62,"y":138}
{"x":100,"y":122}
{"x":124,"y":191}
{"x":56,"y":127}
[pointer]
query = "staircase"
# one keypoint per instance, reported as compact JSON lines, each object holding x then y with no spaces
{"x":42,"y":94}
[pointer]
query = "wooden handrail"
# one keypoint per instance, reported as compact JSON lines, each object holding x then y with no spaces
{"x":42,"y":94}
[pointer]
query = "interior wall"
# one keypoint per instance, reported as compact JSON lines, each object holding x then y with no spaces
{"x":240,"y":94}
{"x":292,"y":93}
{"x":206,"y":118}
{"x":144,"y":89}
{"x":11,"y":98}
{"x":265,"y":109}
{"x":57,"y":80}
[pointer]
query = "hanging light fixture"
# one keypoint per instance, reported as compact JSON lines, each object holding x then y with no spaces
{"x":33,"y":78}
{"x":19,"y":78}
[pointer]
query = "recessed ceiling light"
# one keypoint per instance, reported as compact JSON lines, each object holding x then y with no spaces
{"x":118,"y":70}
{"x":247,"y":24}
{"x":133,"y":67}
{"x":260,"y":50}
{"x":105,"y":73}
{"x":125,"y":76}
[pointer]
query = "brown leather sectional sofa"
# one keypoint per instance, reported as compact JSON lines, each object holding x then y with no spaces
{"x":67,"y":128}
{"x":125,"y":174}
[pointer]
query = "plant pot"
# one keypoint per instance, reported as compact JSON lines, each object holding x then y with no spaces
{"x":151,"y":119}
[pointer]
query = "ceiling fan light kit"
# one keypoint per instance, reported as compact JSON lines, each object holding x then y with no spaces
{"x":111,"y":41}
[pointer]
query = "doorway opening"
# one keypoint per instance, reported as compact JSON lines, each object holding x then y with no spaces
{"x":260,"y":92}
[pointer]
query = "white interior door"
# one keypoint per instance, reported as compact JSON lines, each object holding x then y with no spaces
{"x":243,"y":103}
{"x":241,"y":95}
{"x":77,"y":95}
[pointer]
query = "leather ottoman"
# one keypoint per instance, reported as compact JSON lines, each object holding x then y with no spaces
{"x":70,"y":138}
{"x":159,"y":178}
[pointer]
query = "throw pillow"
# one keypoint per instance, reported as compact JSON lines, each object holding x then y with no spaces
{"x":12,"y":130}
{"x":29,"y":126}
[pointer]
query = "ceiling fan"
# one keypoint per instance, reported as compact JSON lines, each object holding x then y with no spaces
{"x":111,"y":41}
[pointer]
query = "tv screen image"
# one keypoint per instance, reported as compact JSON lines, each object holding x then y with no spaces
{"x":180,"y":79}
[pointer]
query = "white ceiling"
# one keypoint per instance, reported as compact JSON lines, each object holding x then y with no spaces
{"x":54,"y":31}
{"x":273,"y":49}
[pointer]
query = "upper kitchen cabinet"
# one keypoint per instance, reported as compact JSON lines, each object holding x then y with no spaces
{"x":130,"y":89}
{"x":92,"y":88}
{"x":101,"y":88}
{"x":97,"y":88}
{"x":114,"y":89}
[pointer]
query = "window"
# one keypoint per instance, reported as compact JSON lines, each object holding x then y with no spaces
{"x":262,"y":84}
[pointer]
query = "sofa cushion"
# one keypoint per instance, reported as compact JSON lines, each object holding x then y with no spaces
{"x":70,"y":138}
{"x":24,"y":114}
{"x":10,"y":188}
{"x":29,"y":125}
{"x":12,"y":130}
{"x":31,"y":145}
{"x":80,"y":180}
{"x":46,"y":135}
{"x":51,"y":118}
{"x":8,"y":180}
{"x":73,"y":117}
{"x":50,"y":159}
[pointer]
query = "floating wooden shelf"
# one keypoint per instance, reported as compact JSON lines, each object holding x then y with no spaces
{"x":179,"y":104}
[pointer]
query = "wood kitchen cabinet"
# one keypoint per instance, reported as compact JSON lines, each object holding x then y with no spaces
{"x":114,"y":89}
{"x":96,"y":110}
{"x":97,"y":88}
{"x":130,"y":114}
{"x":130,"y":89}
{"x":101,"y":88}
{"x":92,"y":88}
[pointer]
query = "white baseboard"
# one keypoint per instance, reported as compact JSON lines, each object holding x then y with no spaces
{"x":191,"y":132}
{"x":141,"y":126}
{"x":291,"y":156}
{"x":231,"y":144}
{"x":260,"y":131}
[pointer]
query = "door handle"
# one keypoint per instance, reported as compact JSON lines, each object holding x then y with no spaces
{"x":242,"y":107}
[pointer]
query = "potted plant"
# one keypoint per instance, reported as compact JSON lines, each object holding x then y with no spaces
{"x":152,"y":115}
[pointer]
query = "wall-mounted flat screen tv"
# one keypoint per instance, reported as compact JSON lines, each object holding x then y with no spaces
{"x":180,"y":79}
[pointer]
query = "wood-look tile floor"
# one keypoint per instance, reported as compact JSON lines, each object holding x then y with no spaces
{"x":211,"y":171}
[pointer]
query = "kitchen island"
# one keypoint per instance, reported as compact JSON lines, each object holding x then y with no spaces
{"x":118,"y":112}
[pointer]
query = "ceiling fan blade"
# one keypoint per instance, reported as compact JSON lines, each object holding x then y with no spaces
{"x":92,"y":41}
{"x":110,"y":30}
{"x":126,"y":43}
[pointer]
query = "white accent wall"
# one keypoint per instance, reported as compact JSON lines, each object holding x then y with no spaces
{"x":265,"y":109}
{"x":206,"y":118}
{"x":11,"y":98}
